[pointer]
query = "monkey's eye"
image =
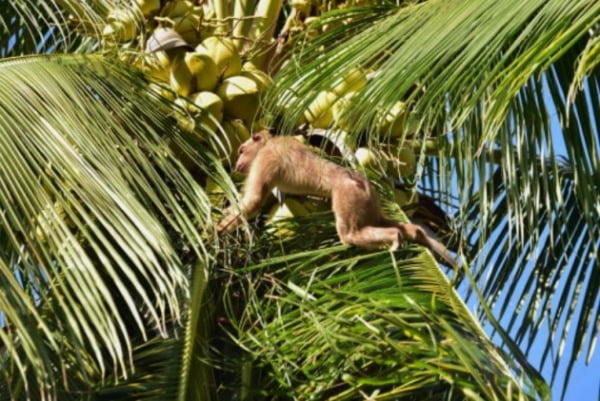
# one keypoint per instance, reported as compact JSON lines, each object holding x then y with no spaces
{"x":256,"y":138}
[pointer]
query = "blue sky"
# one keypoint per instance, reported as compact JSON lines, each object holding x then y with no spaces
{"x":584,"y":382}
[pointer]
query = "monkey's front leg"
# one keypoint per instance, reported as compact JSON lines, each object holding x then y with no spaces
{"x":257,"y":187}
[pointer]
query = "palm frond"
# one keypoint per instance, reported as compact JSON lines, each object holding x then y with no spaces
{"x":328,"y":322}
{"x":43,"y":26}
{"x":491,"y":75}
{"x":96,"y":214}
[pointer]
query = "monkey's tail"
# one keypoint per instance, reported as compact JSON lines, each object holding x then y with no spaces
{"x":423,"y":235}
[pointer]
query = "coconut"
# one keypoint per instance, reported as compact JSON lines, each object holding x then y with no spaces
{"x":237,"y":133}
{"x":404,"y":198}
{"x":351,"y":82}
{"x":147,"y":7}
{"x":340,"y":111}
{"x":398,"y":120}
{"x":365,"y":157}
{"x":224,"y":54}
{"x":240,"y":97}
{"x":177,"y":8}
{"x":162,"y":91}
{"x":319,"y":112}
{"x":408,"y":160}
{"x":302,"y":6}
{"x":288,"y":209}
{"x":181,"y":79}
{"x":121,"y":25}
{"x":188,"y":27}
{"x":263,"y":80}
{"x":250,"y":66}
{"x":210,"y":102}
{"x":203,"y":70}
{"x":368,"y":159}
{"x":157,"y":65}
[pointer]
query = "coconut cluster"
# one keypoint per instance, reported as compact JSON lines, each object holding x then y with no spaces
{"x":216,"y":80}
{"x":336,"y":109}
{"x":194,"y":64}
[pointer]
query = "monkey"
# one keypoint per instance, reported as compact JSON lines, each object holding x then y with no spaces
{"x":284,"y":162}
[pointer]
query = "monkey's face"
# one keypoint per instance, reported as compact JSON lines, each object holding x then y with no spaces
{"x":248,"y":150}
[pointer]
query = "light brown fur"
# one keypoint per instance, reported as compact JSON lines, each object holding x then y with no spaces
{"x":285,"y":163}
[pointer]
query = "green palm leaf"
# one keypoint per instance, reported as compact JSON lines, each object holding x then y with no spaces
{"x":492,"y":74}
{"x":333,"y":323}
{"x":96,"y":213}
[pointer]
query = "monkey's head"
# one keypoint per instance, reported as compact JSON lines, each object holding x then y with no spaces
{"x":248,"y":150}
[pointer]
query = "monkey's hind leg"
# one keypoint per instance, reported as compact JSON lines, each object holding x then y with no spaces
{"x":371,"y":237}
{"x":422,"y":235}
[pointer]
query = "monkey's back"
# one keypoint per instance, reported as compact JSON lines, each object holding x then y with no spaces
{"x":300,"y":171}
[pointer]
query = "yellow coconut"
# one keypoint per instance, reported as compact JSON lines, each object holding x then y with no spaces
{"x":302,"y":6}
{"x":365,"y":157}
{"x":181,"y":79}
{"x":210,"y":102}
{"x":237,"y":133}
{"x":319,"y":112}
{"x":240,"y":96}
{"x":203,"y":70}
{"x":177,"y":8}
{"x":121,"y":25}
{"x":288,"y":209}
{"x":369,"y":159}
{"x":224,"y":54}
{"x":351,"y":82}
{"x":147,"y":7}
{"x":340,"y":110}
{"x":188,"y":27}
{"x":162,"y":91}
{"x":250,"y":66}
{"x":184,"y":104}
{"x":300,"y":138}
{"x":263,"y":80}
{"x":398,"y":120}
{"x":157,"y":65}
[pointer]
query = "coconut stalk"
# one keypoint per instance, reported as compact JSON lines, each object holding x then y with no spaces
{"x":267,"y":12}
{"x":242,"y":9}
{"x":222,"y":13}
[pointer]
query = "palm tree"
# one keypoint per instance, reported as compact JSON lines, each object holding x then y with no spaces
{"x":113,"y":286}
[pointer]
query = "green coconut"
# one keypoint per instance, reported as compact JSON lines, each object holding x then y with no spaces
{"x":148,"y":7}
{"x":240,"y":97}
{"x":203,"y":70}
{"x":181,"y":78}
{"x":224,"y":53}
{"x":177,"y":8}
{"x":319,"y":113}
{"x":407,"y":159}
